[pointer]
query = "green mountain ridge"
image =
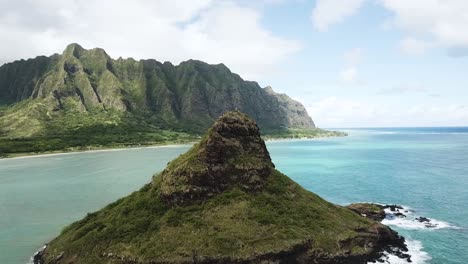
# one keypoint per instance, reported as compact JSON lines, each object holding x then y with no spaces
{"x":192,"y":92}
{"x":223,"y":201}
{"x":83,"y":98}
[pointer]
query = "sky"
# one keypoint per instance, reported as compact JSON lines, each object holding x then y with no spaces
{"x":352,"y":63}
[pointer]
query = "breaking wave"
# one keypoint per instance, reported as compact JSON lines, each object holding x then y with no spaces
{"x":415,"y":250}
{"x":406,"y":218}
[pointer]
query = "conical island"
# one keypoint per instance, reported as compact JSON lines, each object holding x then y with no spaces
{"x":223,"y":201}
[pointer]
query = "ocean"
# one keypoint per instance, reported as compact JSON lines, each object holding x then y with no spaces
{"x":423,"y":169}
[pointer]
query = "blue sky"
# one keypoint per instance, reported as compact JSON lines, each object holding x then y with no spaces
{"x":386,"y":85}
{"x":352,"y":63}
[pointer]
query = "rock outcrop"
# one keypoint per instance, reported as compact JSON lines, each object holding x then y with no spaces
{"x":222,"y":202}
{"x":232,"y":154}
{"x":372,"y":211}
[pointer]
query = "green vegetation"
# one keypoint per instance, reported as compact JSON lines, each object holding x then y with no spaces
{"x":301,"y":133}
{"x":111,"y":135}
{"x":84,"y":99}
{"x":234,"y":224}
{"x":86,"y":139}
{"x":75,"y":131}
{"x":220,"y":202}
{"x":28,"y":128}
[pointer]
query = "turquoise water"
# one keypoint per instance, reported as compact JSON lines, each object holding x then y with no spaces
{"x":424,"y":169}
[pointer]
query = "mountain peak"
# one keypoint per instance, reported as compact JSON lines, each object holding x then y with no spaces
{"x":231,"y":154}
{"x":73,"y":49}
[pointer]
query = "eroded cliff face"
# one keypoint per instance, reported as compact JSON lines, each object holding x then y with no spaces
{"x":297,"y":115}
{"x":223,"y":202}
{"x":231,"y":154}
{"x":192,"y":93}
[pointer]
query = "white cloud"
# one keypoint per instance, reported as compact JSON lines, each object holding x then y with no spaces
{"x":329,"y":12}
{"x":174,"y":30}
{"x":444,"y":21}
{"x":334,"y":112}
{"x":349,"y":74}
{"x":428,"y":23}
{"x":340,"y":112}
{"x":415,"y":46}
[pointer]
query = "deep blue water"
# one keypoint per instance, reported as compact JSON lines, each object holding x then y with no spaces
{"x":425,"y":169}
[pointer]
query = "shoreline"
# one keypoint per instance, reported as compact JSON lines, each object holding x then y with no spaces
{"x":121,"y":148}
{"x":104,"y":149}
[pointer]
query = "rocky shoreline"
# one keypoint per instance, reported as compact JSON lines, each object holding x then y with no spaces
{"x":389,"y":242}
{"x":37,"y":257}
{"x":401,"y":217}
{"x":300,"y":254}
{"x":389,"y":212}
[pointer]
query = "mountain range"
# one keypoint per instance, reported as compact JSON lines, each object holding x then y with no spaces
{"x":192,"y":92}
{"x":85,"y":95}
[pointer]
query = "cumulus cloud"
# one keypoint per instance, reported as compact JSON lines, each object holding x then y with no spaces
{"x":415,"y":46}
{"x":444,"y":21}
{"x":341,"y":112}
{"x":329,"y":12}
{"x":173,"y":30}
{"x":427,"y":23}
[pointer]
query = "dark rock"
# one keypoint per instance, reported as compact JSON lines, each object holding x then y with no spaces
{"x":423,"y":219}
{"x":37,"y":257}
{"x":233,"y":153}
{"x":394,"y":207}
{"x":398,"y":214}
{"x":430,"y":225}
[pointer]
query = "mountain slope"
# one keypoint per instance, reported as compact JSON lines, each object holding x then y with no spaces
{"x":222,"y":202}
{"x":188,"y":96}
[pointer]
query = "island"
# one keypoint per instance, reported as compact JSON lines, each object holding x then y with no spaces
{"x":223,"y":201}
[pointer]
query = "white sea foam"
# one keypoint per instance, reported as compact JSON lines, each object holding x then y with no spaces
{"x":410,"y":222}
{"x":415,"y":250}
{"x":31,"y":260}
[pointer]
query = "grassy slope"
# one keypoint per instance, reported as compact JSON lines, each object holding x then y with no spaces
{"x":29,"y":127}
{"x":234,"y":224}
{"x":44,"y":131}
